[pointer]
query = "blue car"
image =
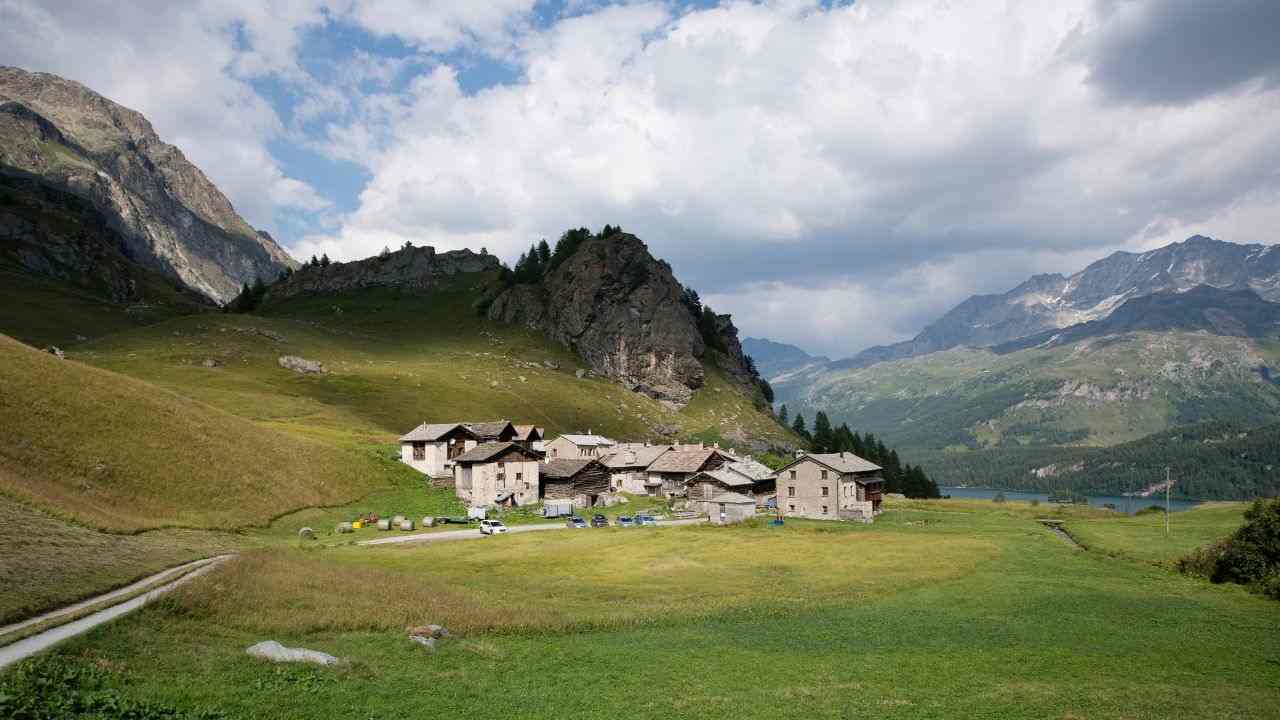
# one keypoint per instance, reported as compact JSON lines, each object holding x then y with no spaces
{"x":625,"y":521}
{"x":575,"y":522}
{"x":642,"y":520}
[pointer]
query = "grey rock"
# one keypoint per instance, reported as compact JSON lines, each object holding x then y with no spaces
{"x":301,"y":365}
{"x":579,"y":373}
{"x":168,"y":216}
{"x":411,"y":268}
{"x":275,"y":652}
{"x":427,"y":642}
{"x":56,"y":352}
{"x":551,"y":365}
{"x":211,"y":363}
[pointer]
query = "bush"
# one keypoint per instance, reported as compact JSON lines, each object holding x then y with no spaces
{"x":50,"y":687}
{"x":1251,"y":556}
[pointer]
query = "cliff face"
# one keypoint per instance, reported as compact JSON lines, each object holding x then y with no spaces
{"x":414,"y":268}
{"x":620,"y":309}
{"x":172,"y":218}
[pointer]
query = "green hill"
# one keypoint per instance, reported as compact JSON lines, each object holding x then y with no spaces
{"x":122,"y":454}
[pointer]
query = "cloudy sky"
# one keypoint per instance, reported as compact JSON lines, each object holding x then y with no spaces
{"x":836,"y":174}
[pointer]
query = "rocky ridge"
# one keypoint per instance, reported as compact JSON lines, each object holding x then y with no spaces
{"x":172,"y":218}
{"x":621,"y":310}
{"x":413,"y":268}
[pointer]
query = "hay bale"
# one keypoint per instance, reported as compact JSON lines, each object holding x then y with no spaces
{"x":406,"y":524}
{"x":306,"y":533}
{"x":384,"y":524}
{"x":428,"y":521}
{"x":397,"y":519}
{"x":343,"y":528}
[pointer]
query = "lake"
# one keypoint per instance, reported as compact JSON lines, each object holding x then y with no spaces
{"x":1125,"y":504}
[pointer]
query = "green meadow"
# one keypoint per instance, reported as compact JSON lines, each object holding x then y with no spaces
{"x":939,"y":610}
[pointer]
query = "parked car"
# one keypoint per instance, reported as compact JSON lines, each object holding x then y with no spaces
{"x":492,"y":527}
{"x":625,"y":521}
{"x":599,"y":520}
{"x":642,"y":520}
{"x":575,"y":522}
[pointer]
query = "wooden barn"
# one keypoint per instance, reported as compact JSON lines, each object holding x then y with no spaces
{"x":585,"y":481}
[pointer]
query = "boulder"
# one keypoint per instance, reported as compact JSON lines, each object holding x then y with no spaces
{"x":427,"y":642}
{"x":275,"y":652}
{"x":56,"y":352}
{"x":211,"y":363}
{"x":301,"y":365}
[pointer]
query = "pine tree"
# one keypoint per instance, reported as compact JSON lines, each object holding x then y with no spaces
{"x":315,"y":262}
{"x":324,"y":260}
{"x":782,"y":415}
{"x":798,"y":426}
{"x":823,"y":439}
{"x":544,"y":254}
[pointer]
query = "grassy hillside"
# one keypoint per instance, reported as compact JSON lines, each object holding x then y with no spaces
{"x":122,"y":454}
{"x":396,"y":359}
{"x":937,"y":610}
{"x":1097,"y":392}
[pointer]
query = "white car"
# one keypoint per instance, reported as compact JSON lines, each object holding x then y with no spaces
{"x":492,"y":527}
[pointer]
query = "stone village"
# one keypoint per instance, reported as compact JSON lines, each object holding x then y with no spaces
{"x":500,"y":464}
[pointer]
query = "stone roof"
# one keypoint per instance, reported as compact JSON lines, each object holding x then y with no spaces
{"x":845,"y":462}
{"x":627,"y":455}
{"x":589,"y":440}
{"x":484,"y":452}
{"x":431,"y":433}
{"x":732,"y":479}
{"x":563,"y":469}
{"x":751,"y":468}
{"x":683,"y":461}
{"x":488,"y":429}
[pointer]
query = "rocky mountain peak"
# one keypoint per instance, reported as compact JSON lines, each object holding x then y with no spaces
{"x":174,"y":220}
{"x":411,"y":268}
{"x":625,"y":314}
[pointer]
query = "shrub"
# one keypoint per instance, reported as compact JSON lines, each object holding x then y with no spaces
{"x":999,"y":497}
{"x":52,"y":687}
{"x":1251,"y":556}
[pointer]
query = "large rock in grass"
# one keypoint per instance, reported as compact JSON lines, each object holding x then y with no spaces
{"x":275,"y":652}
{"x":301,"y":365}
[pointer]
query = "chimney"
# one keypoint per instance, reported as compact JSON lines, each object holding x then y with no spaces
{"x":841,"y":454}
{"x":715,"y":445}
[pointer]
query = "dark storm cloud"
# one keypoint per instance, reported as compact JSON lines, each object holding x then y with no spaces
{"x":1178,"y":51}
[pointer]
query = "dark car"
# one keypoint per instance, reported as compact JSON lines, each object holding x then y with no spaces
{"x":575,"y":522}
{"x":625,"y":521}
{"x":599,"y":520}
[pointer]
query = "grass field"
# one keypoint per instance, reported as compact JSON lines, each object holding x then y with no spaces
{"x":1142,"y":537}
{"x":939,"y":610}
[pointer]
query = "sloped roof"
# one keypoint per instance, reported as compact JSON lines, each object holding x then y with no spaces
{"x":431,"y":433}
{"x":751,"y":468}
{"x":845,"y":462}
{"x":732,"y":479}
{"x":677,"y":461}
{"x":644,"y":455}
{"x":524,"y":432}
{"x":589,"y":440}
{"x":564,"y":469}
{"x":488,"y":429}
{"x":485,"y":452}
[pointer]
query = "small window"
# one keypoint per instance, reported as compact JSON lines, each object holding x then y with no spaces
{"x":791,"y":492}
{"x":519,"y":476}
{"x":824,"y":474}
{"x":792,"y":508}
{"x":554,"y":452}
{"x":793,"y":474}
{"x":501,"y":465}
{"x":824,"y":509}
{"x":825,"y":492}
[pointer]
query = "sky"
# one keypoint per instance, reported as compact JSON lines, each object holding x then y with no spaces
{"x":835,"y":174}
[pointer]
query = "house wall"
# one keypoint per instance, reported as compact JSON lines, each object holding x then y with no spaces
{"x":800,"y":491}
{"x":432,"y":464}
{"x":733,"y":512}
{"x":482,"y":482}
{"x":630,"y":481}
{"x":565,"y":450}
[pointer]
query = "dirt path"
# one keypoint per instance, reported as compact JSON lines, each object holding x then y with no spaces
{"x":474,"y":534}
{"x":39,"y":642}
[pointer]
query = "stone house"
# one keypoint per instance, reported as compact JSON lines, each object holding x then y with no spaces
{"x":569,"y":447}
{"x":763,"y":479}
{"x":709,"y":483}
{"x":669,"y":473}
{"x":725,"y":508}
{"x":497,"y":473}
{"x":492,"y":430}
{"x":431,"y":449}
{"x":830,"y":486}
{"x":629,"y":463}
{"x":585,"y":481}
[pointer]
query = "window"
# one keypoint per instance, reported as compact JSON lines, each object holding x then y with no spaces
{"x":825,"y":491}
{"x":419,"y":451}
{"x":519,"y":476}
{"x":554,"y":452}
{"x":791,"y":492}
{"x":793,"y":474}
{"x":824,"y":509}
{"x":791,"y":508}
{"x":824,"y":474}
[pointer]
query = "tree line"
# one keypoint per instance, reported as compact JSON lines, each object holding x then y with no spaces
{"x":899,"y":477}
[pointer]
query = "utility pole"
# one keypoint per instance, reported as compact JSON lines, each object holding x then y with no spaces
{"x":1167,"y":483}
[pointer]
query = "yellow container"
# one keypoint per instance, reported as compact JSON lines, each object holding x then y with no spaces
{"x":357,"y":525}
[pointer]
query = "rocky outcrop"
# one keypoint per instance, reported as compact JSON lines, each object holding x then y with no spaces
{"x":620,"y":310}
{"x":172,"y":219}
{"x":411,"y":268}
